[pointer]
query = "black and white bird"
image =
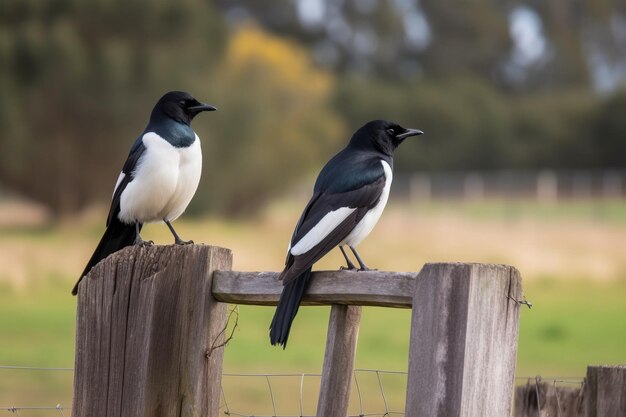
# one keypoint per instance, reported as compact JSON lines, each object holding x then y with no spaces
{"x":349,"y":196}
{"x":158,"y":179}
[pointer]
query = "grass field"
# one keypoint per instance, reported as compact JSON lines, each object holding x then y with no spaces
{"x":572,"y":259}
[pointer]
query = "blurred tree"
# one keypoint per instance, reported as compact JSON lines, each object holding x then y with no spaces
{"x":382,"y":37}
{"x":553,"y":130}
{"x":465,"y":120}
{"x":609,"y":131}
{"x":567,"y":64}
{"x":275,"y":121}
{"x":471,"y":37}
{"x":518,"y":45}
{"x":493,"y":84}
{"x":78,"y":80}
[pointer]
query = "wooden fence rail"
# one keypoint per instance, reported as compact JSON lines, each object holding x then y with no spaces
{"x":151,"y":326}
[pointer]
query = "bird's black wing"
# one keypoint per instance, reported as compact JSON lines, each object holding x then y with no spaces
{"x":361,"y":200}
{"x":117,"y":234}
{"x":136,"y":151}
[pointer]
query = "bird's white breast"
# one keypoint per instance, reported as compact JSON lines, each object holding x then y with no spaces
{"x":190,"y":169}
{"x":367,"y":223}
{"x":164,"y":181}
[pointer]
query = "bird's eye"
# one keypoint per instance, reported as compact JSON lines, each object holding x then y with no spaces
{"x":391,"y":132}
{"x":182,"y":102}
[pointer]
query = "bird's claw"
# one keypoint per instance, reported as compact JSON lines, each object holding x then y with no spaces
{"x":347,"y":268}
{"x":141,"y":242}
{"x":183,"y":242}
{"x":365,"y":269}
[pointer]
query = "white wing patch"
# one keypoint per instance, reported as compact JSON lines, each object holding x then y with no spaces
{"x":322,"y":229}
{"x":119,"y":180}
{"x":367,"y":223}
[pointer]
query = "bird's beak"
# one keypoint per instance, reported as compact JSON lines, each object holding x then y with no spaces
{"x":409,"y":133}
{"x":202,"y":107}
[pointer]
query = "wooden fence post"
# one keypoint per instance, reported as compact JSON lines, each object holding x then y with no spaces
{"x":547,"y":399}
{"x":605,"y":391}
{"x":343,"y":332}
{"x":463,"y":348}
{"x":148,"y":333}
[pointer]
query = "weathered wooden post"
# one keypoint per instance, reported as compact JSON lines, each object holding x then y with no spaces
{"x":464,"y":333}
{"x":346,"y":292}
{"x":547,"y":399}
{"x":605,"y":391}
{"x":148,"y":334}
{"x":343,"y":332}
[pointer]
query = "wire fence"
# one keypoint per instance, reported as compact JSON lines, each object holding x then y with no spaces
{"x":542,"y":185}
{"x":375,"y":392}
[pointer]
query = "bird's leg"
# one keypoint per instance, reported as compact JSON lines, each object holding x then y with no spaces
{"x":139,"y":240}
{"x":177,"y":238}
{"x":350,"y":264}
{"x":361,"y":263}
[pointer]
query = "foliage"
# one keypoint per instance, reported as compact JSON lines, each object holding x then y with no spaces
{"x":275,"y":121}
{"x":471,"y":125}
{"x":78,"y":78}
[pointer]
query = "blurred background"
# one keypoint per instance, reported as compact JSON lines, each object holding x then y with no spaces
{"x":523,"y":161}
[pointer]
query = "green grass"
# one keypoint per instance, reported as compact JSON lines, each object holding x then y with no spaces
{"x":571,"y":325}
{"x":571,"y":256}
{"x":36,"y":329}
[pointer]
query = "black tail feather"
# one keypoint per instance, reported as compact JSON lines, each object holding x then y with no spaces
{"x":287,"y":308}
{"x":118,"y":235}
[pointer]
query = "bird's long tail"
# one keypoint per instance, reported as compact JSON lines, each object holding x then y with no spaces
{"x":287,"y":308}
{"x":117,"y":236}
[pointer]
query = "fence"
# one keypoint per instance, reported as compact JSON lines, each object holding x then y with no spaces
{"x":534,"y":396}
{"x":543,"y":185}
{"x":151,"y":327}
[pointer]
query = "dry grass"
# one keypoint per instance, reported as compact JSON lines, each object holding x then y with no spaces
{"x":575,"y":322}
{"x":406,"y":237}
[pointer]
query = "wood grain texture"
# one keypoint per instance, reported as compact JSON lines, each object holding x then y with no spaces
{"x":370,"y":288}
{"x":146,"y":322}
{"x":605,"y":391}
{"x":545,"y":399}
{"x":463,"y":348}
{"x":343,"y":332}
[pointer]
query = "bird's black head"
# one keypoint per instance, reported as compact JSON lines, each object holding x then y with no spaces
{"x":179,"y":106}
{"x":382,"y":135}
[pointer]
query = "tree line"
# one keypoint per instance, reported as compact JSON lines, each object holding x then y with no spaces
{"x":79,"y":77}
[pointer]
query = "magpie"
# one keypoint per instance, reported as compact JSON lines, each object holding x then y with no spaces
{"x":349,"y":196}
{"x":158,"y":179}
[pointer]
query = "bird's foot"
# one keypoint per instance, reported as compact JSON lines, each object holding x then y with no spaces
{"x":365,"y":269}
{"x":140,"y":242}
{"x":347,"y":268}
{"x":179,"y":241}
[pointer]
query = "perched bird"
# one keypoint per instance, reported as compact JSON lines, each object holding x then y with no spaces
{"x":349,"y":196}
{"x":158,"y":179}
